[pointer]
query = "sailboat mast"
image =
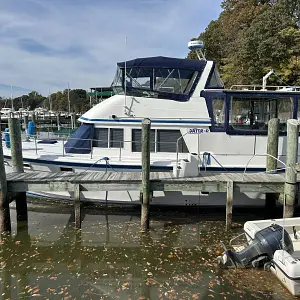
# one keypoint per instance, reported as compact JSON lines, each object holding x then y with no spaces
{"x":125,"y":77}
{"x":11,"y":97}
{"x":69,"y":104}
{"x":50,"y":102}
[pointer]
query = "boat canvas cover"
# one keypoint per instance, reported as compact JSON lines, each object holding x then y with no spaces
{"x":161,"y":62}
{"x":80,"y":141}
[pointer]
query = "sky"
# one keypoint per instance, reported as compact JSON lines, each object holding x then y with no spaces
{"x":46,"y":44}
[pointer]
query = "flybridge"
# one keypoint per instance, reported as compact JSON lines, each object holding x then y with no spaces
{"x":159,"y":77}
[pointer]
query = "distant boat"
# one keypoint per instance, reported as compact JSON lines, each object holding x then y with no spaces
{"x":6,"y":110}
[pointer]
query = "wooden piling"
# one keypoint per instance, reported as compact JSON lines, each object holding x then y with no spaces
{"x":58,"y":121}
{"x":25,"y":120}
{"x":229,"y":204}
{"x":271,"y":164}
{"x":145,"y":199}
{"x":5,"y":225}
{"x":17,"y":164}
{"x":77,"y":206}
{"x":290,"y":173}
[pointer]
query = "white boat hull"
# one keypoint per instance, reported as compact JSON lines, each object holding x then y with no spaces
{"x":285,"y":266}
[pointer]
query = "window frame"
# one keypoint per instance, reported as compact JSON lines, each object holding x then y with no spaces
{"x":277,"y":96}
{"x":109,"y":141}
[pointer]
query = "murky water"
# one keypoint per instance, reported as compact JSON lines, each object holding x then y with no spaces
{"x":111,"y":259}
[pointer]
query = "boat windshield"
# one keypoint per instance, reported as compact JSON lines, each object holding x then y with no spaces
{"x":165,"y":83}
{"x":158,"y":77}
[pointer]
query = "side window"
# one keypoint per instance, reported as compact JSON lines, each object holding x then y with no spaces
{"x":100,"y":137}
{"x":218,"y":105}
{"x":116,"y":138}
{"x":167,"y":141}
{"x":285,"y":112}
{"x":254,"y":113}
{"x":112,"y":137}
{"x":136,"y":145}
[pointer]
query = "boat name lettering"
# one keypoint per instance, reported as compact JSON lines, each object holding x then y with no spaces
{"x":198,"y":130}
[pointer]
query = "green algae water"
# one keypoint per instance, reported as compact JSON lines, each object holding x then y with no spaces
{"x":111,"y":259}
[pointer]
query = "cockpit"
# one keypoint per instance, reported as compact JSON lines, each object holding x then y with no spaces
{"x":158,"y":77}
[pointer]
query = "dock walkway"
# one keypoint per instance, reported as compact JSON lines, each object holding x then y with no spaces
{"x":132,"y":181}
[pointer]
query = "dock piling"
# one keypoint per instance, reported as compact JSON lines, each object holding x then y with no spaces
{"x":291,"y":173}
{"x":17,"y":164}
{"x":25,"y":119}
{"x":77,"y":206}
{"x":5,"y":225}
{"x":271,"y":163}
{"x":229,"y":204}
{"x":146,"y":194}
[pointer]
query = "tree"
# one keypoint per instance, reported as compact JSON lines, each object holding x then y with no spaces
{"x":250,"y":37}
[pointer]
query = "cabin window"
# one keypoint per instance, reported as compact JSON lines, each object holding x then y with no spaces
{"x":298,"y":115}
{"x":136,"y":145}
{"x":253,"y":113}
{"x":100,"y":138}
{"x":167,"y":141}
{"x":172,"y":81}
{"x":215,"y":80}
{"x":116,"y":138}
{"x":112,"y":137}
{"x":218,"y":105}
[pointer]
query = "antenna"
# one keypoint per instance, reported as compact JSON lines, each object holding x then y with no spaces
{"x":198,"y":47}
{"x":125,"y":77}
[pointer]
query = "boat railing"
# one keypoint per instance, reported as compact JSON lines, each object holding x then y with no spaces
{"x":258,"y":87}
{"x":117,"y":145}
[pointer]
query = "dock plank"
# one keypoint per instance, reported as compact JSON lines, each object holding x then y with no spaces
{"x":160,"y":181}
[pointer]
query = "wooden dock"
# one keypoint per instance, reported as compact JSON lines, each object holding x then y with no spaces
{"x":132,"y":181}
{"x":146,"y":182}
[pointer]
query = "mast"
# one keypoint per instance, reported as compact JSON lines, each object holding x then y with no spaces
{"x":125,"y":77}
{"x":11,"y":98}
{"x":50,"y":102}
{"x":69,"y":104}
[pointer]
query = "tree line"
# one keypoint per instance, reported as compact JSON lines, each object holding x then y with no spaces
{"x":59,"y":101}
{"x":251,"y":37}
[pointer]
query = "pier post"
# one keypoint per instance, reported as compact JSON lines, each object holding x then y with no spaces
{"x":25,"y":120}
{"x":145,"y":195}
{"x":17,"y":164}
{"x":291,"y":173}
{"x":229,"y":204}
{"x":58,"y":121}
{"x":5,"y":225}
{"x":271,"y":163}
{"x":77,"y":206}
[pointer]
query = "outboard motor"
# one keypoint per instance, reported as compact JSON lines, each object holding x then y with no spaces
{"x":260,"y":250}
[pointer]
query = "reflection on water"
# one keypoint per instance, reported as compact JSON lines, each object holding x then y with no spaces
{"x":111,"y":259}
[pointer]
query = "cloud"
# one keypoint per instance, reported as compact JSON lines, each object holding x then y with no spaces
{"x":46,"y":44}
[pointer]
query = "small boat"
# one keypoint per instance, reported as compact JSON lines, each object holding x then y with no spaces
{"x":265,"y":247}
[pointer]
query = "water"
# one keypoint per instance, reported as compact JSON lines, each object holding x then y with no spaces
{"x":111,"y":259}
